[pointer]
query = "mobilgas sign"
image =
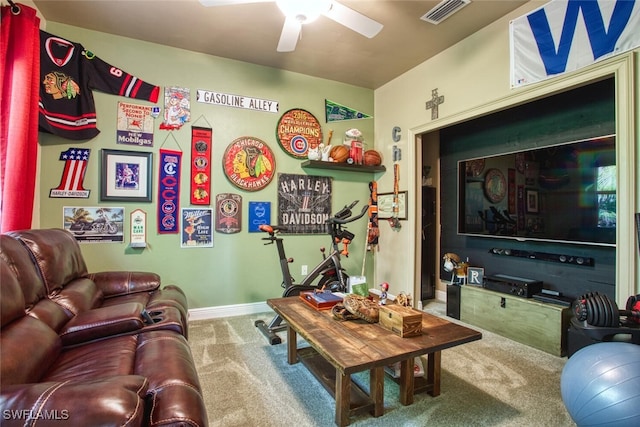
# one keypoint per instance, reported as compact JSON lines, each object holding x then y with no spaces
{"x":566,"y":35}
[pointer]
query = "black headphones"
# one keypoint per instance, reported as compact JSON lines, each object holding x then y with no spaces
{"x":600,"y":310}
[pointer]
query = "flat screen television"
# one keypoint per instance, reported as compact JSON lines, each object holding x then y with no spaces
{"x":560,"y":193}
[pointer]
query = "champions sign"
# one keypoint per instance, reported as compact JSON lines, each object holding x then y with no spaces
{"x":566,"y":35}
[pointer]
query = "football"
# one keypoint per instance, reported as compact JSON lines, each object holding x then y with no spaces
{"x":372,"y":158}
{"x":339,"y":153}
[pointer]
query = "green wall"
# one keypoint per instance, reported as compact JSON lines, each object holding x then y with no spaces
{"x":239,"y":268}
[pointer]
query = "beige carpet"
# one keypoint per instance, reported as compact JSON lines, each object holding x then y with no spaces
{"x":491,"y":382}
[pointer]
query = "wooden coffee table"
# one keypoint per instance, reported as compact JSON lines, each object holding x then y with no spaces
{"x":339,"y":349}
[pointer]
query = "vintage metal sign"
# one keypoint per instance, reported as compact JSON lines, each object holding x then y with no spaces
{"x":304,"y":203}
{"x":138,"y":224}
{"x":297,"y":131}
{"x":249,"y":163}
{"x":228,"y":213}
{"x":135,"y":124}
{"x":259,"y":213}
{"x":75,"y":165}
{"x":197,"y":229}
{"x":237,"y":101}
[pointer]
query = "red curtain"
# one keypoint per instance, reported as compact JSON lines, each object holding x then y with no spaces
{"x":20,"y":75}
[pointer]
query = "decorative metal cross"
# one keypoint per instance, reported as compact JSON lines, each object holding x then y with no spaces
{"x":433,"y":104}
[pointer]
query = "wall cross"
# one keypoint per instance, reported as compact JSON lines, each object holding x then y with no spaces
{"x":433,"y":104}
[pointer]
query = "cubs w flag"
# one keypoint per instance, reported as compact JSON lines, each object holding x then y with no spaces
{"x":566,"y":35}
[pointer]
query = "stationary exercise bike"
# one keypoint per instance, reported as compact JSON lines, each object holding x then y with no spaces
{"x":330,"y":274}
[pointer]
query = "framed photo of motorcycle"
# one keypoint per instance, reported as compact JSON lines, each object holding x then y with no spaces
{"x":125,"y":176}
{"x":94,"y":224}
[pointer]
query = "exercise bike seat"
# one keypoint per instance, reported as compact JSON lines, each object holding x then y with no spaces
{"x":271,"y":229}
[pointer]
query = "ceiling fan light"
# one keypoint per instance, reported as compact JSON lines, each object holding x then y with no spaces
{"x":304,"y":11}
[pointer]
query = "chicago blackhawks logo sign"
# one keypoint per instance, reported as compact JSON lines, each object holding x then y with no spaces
{"x":249,"y":163}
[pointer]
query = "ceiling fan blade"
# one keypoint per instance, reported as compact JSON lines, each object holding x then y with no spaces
{"x":208,"y":3}
{"x":289,"y":36}
{"x":353,"y":20}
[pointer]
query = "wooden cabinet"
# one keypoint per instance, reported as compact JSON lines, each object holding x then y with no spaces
{"x":525,"y":320}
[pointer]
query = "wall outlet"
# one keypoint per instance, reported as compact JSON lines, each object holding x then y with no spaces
{"x":304,"y":270}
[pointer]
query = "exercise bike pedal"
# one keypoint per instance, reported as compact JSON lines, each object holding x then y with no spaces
{"x":268,"y":333}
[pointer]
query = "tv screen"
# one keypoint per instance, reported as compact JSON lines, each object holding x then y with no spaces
{"x":559,"y":193}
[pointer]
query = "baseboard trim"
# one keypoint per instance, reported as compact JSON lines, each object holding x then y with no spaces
{"x":250,"y":308}
{"x":227,"y":310}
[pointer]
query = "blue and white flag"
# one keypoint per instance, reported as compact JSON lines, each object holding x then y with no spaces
{"x":566,"y":35}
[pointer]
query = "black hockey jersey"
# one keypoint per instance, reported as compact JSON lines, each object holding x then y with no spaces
{"x":68,"y":74}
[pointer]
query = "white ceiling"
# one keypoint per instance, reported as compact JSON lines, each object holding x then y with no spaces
{"x":250,"y":32}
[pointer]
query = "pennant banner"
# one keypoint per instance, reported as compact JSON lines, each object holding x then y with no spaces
{"x":336,"y":112}
{"x":566,"y":35}
{"x":75,"y":165}
{"x":168,"y":191}
{"x":201,"y":165}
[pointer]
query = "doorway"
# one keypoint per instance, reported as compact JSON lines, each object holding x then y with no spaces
{"x":428,"y":247}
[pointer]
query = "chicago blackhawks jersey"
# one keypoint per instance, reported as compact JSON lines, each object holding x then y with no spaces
{"x":68,"y":74}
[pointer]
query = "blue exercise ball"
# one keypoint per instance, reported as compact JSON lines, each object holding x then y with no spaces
{"x":600,"y":385}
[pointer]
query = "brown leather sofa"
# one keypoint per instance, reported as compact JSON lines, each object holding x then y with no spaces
{"x":90,"y":349}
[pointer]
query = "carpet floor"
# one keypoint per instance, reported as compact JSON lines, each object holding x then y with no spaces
{"x":491,"y":382}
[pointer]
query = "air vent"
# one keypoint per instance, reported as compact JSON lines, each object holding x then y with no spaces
{"x":443,"y":10}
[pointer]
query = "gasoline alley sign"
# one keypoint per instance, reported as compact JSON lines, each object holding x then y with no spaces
{"x":236,"y":101}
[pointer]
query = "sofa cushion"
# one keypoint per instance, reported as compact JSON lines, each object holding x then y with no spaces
{"x":119,"y":283}
{"x":98,"y":359}
{"x":28,"y":348}
{"x":77,"y":296}
{"x":19,"y":259}
{"x":117,"y":401}
{"x":11,"y":297}
{"x":57,"y":254}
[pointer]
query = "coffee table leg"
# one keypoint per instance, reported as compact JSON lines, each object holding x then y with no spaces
{"x":292,"y":346}
{"x":433,"y":372}
{"x":406,"y":381}
{"x":343,"y":398}
{"x":376,"y":390}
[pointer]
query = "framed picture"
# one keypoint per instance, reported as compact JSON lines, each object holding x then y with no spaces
{"x":532,"y":201}
{"x":385,"y":205}
{"x":125,"y":176}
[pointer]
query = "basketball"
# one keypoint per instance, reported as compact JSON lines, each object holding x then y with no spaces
{"x":339,"y":153}
{"x":600,"y":385}
{"x":372,"y":158}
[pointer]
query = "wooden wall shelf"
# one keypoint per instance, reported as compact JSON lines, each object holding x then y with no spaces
{"x":318,"y":164}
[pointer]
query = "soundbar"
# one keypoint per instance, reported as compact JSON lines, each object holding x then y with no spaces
{"x":581,"y":261}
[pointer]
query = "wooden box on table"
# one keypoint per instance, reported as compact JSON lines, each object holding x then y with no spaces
{"x":402,"y":321}
{"x":320,"y":300}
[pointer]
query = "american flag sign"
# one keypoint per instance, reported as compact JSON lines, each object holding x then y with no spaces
{"x":75,"y":165}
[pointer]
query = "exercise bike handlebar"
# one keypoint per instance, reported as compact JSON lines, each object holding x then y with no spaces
{"x":336,"y":220}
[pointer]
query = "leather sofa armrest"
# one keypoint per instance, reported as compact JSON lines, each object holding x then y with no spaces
{"x":117,"y":283}
{"x":102,"y":322}
{"x":115,"y":401}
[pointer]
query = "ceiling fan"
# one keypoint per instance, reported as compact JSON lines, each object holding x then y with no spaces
{"x":299,"y":12}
